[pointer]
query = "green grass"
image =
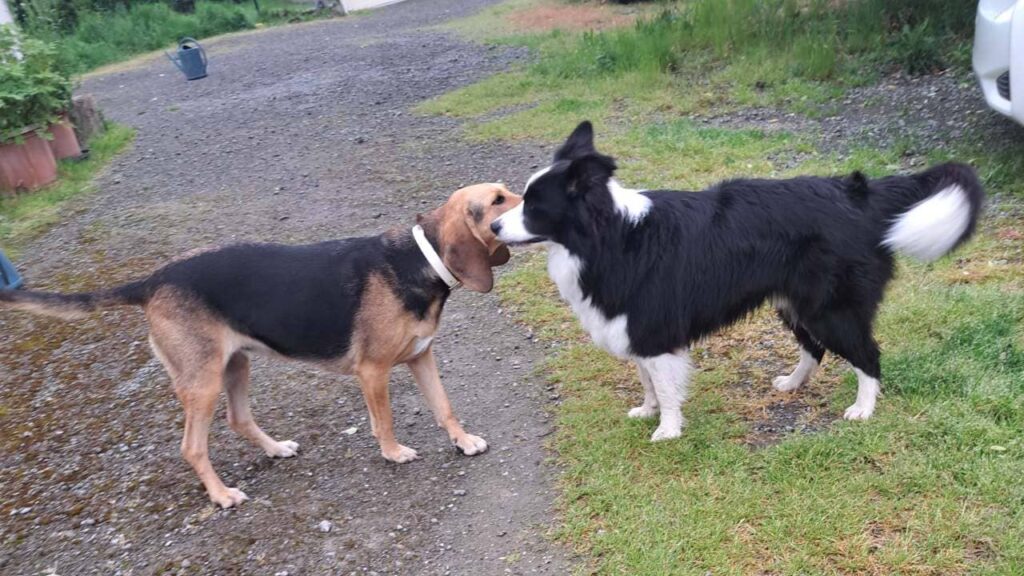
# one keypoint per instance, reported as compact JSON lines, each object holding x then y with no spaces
{"x":26,"y":216}
{"x":930,"y":484}
{"x":926,"y":487}
{"x":105,"y":37}
{"x":707,"y":55}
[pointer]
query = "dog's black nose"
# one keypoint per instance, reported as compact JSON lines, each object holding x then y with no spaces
{"x":496,"y":226}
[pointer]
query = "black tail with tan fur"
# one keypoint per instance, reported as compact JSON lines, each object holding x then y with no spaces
{"x":72,"y":306}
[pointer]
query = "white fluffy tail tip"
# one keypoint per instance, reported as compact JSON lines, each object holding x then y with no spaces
{"x":931,"y":227}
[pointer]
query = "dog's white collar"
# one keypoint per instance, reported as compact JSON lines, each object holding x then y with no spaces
{"x":431,"y":255}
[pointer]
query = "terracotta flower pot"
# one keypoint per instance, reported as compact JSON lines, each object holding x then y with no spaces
{"x":26,"y":166}
{"x":64,"y":143}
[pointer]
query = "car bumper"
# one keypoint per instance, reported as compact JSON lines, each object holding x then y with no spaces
{"x":999,"y":55}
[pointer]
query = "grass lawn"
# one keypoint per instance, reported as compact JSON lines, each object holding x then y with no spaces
{"x":931,"y":484}
{"x":28,"y":215}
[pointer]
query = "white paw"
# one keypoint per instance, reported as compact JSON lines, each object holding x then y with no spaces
{"x":399,"y":454}
{"x":858,"y":412}
{"x":666,"y":433}
{"x":642,"y":412}
{"x":229,"y":498}
{"x":786,"y":383}
{"x":284,"y":449}
{"x":471,"y":445}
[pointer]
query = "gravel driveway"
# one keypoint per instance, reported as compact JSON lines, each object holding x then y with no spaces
{"x":299,"y":134}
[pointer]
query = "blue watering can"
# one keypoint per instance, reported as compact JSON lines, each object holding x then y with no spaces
{"x":191,"y":59}
{"x":9,"y":278}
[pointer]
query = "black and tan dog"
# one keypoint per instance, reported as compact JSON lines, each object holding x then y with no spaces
{"x":355,"y":306}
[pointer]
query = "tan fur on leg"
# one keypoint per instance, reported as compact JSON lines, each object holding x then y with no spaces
{"x":424,"y":370}
{"x":374,"y":381}
{"x":191,"y":346}
{"x":236,"y":382}
{"x":199,"y":396}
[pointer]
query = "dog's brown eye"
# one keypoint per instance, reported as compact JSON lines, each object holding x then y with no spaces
{"x":499,"y":200}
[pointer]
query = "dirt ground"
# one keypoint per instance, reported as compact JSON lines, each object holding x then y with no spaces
{"x":299,"y":134}
{"x":575,"y":17}
{"x":302,"y":134}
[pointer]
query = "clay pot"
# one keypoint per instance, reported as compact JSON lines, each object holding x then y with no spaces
{"x":26,"y":166}
{"x":64,"y":143}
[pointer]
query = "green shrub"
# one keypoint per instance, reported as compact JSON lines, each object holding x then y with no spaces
{"x":32,"y":91}
{"x":220,"y":18}
{"x":916,"y":49}
{"x":105,"y":31}
{"x":105,"y":37}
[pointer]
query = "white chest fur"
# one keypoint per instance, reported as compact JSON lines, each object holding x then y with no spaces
{"x":609,"y":334}
{"x":420,"y":344}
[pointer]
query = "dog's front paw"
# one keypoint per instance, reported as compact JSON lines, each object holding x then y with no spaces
{"x":230,"y":497}
{"x":666,"y":433}
{"x":859,"y":412}
{"x":283,"y":449}
{"x":643,"y":412}
{"x":399,"y":454}
{"x":786,"y":383}
{"x":471,"y":445}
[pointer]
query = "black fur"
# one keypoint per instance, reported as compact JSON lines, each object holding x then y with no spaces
{"x":300,"y":301}
{"x":699,"y":261}
{"x":133,"y":293}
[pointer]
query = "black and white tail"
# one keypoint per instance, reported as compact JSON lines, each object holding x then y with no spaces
{"x":944,"y":204}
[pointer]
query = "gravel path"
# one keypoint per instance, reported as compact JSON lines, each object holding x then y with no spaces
{"x":934,"y":112}
{"x":299,"y":134}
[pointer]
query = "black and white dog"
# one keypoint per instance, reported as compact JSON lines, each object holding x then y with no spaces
{"x":650,"y":272}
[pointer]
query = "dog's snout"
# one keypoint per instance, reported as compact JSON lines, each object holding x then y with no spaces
{"x":496,"y":226}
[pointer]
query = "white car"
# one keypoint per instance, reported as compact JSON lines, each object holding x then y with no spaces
{"x":999,"y":55}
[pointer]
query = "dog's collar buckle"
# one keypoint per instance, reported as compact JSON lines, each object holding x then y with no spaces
{"x":432,"y":258}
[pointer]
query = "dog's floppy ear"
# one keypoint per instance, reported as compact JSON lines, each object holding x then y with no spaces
{"x":467,"y":256}
{"x":500,"y":256}
{"x":589,"y":172}
{"x":579,"y":143}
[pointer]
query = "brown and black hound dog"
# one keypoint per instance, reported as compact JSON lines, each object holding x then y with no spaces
{"x":355,"y":306}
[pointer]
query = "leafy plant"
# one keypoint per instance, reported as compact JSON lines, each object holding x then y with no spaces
{"x":917,"y":50}
{"x":60,"y":16}
{"x":32,"y":91}
{"x":92,"y":33}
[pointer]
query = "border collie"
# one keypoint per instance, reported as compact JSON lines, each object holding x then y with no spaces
{"x":650,"y":272}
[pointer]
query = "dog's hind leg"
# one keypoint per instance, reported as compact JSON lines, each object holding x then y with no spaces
{"x":424,"y":370}
{"x":236,"y":382}
{"x":670,"y":374}
{"x":868,"y":389}
{"x":848,"y":334}
{"x":191,"y":348}
{"x":649,"y":408}
{"x":811,"y":353}
{"x":373,"y":379}
{"x":199,"y":391}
